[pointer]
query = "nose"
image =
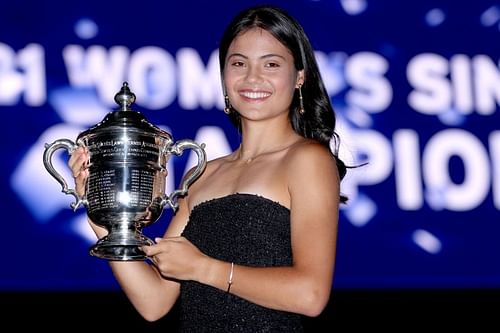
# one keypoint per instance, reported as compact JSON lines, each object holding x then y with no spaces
{"x":253,"y":74}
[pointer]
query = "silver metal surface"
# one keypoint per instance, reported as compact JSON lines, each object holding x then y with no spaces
{"x":125,"y":190}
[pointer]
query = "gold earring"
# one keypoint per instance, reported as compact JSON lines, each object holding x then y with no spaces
{"x":301,"y":101}
{"x":227,"y":108}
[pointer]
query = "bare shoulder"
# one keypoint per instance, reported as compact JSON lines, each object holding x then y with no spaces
{"x":311,"y":169}
{"x":313,"y":182}
{"x":310,"y":155}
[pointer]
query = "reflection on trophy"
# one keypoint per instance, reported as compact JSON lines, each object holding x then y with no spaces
{"x":125,"y":190}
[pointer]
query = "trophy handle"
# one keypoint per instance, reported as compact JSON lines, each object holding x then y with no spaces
{"x":70,"y":146}
{"x":177,"y":149}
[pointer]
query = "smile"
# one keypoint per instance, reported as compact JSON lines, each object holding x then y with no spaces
{"x":255,"y":94}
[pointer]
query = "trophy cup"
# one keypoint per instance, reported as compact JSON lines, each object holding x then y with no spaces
{"x":125,"y":189}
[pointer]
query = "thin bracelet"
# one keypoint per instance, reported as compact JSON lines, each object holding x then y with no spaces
{"x":230,"y":280}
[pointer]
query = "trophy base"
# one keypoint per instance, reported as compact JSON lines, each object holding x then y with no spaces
{"x":126,"y":250}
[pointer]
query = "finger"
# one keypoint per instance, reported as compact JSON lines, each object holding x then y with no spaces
{"x":152,"y":259}
{"x":78,"y":161}
{"x":80,"y":174}
{"x":81,"y":177}
{"x":151,"y":250}
{"x":80,"y":166}
{"x":75,"y":154}
{"x":169,"y":239}
{"x":73,"y":160}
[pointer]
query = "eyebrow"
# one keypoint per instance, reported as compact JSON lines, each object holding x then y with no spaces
{"x":270,"y":55}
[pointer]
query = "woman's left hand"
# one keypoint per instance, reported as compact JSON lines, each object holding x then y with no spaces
{"x":175,"y":257}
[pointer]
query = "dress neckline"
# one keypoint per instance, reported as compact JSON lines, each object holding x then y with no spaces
{"x":239,"y":194}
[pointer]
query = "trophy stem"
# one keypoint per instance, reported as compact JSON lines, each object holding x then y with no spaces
{"x":121,"y":244}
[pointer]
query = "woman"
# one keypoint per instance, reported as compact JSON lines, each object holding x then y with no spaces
{"x":252,"y":245}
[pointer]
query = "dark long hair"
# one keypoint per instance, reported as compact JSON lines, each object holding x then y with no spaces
{"x":318,"y":121}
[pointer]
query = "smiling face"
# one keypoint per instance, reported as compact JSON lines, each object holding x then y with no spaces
{"x":259,"y":75}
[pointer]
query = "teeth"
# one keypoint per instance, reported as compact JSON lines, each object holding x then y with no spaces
{"x":255,"y":94}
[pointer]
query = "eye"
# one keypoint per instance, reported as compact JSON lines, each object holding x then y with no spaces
{"x":272,"y":65}
{"x":237,"y":64}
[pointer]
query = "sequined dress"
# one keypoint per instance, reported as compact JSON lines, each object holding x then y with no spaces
{"x":246,"y":229}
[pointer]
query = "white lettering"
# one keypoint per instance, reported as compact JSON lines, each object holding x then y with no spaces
{"x":494,"y":142}
{"x":152,"y":74}
{"x":407,"y":169}
{"x":374,"y":148}
{"x":97,"y":68}
{"x":365,"y":72}
{"x":487,"y":82}
{"x":199,"y":86}
{"x":427,"y":74}
{"x":442,"y":191}
{"x":461,"y":83}
{"x":215,"y":141}
{"x":24,"y":72}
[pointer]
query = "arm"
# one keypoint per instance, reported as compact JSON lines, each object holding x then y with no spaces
{"x":151,"y":294}
{"x":305,"y":287}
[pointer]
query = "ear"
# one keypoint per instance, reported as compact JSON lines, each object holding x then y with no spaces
{"x":300,"y":78}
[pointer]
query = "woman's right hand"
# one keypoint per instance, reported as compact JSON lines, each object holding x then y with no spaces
{"x":78,"y":163}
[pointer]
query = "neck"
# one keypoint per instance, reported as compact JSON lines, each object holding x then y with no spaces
{"x":265,"y":144}
{"x":263,"y":137}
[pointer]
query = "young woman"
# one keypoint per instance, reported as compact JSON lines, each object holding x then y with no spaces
{"x":252,"y":245}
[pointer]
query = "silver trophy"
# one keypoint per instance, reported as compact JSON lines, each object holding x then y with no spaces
{"x":125,"y":190}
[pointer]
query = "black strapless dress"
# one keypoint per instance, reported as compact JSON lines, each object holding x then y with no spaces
{"x":249,"y":230}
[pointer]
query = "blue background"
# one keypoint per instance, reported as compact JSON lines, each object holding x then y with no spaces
{"x":45,"y":246}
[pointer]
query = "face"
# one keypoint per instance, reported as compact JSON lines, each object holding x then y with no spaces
{"x":260,"y":76}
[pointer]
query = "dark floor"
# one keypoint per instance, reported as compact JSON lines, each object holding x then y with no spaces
{"x":348,"y":311}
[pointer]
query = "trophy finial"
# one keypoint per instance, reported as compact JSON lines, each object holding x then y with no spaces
{"x":124,"y":98}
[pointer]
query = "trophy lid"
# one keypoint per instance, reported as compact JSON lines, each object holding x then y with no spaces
{"x":125,"y":117}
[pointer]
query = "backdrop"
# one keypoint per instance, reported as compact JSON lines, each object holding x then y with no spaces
{"x":415,"y":84}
